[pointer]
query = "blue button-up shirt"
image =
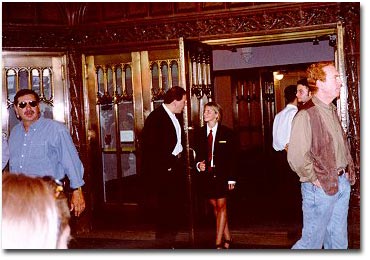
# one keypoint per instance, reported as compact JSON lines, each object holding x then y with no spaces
{"x":5,"y":151}
{"x":46,"y":149}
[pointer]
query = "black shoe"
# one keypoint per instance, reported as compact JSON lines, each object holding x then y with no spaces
{"x":227,"y":243}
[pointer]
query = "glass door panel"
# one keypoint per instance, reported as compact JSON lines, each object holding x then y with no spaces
{"x":41,"y":72}
{"x":125,"y":88}
{"x":117,"y":137}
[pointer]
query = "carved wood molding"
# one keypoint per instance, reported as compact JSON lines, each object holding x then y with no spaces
{"x":242,"y":23}
{"x":350,"y":16}
{"x":76,"y":98}
{"x":352,"y":59}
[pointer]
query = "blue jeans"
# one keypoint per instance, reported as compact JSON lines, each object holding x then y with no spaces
{"x":324,"y":217}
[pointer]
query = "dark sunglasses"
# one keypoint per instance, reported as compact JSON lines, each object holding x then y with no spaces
{"x":23,"y":104}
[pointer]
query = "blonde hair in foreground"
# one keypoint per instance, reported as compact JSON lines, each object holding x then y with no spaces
{"x":30,"y":214}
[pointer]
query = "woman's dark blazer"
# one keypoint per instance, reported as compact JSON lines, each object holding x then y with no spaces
{"x":224,"y":152}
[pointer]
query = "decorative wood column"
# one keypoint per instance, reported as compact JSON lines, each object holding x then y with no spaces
{"x":352,"y":60}
{"x":78,"y":133}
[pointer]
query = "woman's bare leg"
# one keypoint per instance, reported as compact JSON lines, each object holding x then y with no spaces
{"x":213,"y":202}
{"x":227,"y":235}
{"x":222,"y":227}
{"x":221,"y":219}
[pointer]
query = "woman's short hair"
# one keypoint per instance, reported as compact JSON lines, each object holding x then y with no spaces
{"x":30,"y":213}
{"x":216,"y":107}
{"x":61,"y":200}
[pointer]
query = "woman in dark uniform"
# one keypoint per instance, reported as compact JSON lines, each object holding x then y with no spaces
{"x":215,"y":164}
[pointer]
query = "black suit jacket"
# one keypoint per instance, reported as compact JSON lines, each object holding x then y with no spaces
{"x":158,"y":141}
{"x":224,"y":151}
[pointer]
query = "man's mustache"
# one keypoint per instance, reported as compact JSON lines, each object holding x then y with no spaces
{"x":29,"y":112}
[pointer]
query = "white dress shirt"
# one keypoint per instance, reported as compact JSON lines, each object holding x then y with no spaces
{"x":282,"y":127}
{"x":178,"y":148}
{"x":214,"y":131}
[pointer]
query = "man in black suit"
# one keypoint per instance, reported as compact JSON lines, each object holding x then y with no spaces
{"x":163,"y":163}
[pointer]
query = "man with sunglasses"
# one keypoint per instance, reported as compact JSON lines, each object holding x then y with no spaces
{"x":40,"y":146}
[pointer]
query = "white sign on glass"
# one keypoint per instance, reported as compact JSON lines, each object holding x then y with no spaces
{"x":127,"y":136}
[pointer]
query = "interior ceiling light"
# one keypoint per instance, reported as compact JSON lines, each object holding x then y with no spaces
{"x":278,"y":75}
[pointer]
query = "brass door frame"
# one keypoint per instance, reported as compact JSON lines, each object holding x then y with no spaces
{"x":92,"y":111}
{"x":196,"y":79}
{"x":55,"y":60}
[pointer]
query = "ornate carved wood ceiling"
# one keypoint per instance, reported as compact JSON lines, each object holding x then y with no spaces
{"x":117,"y":25}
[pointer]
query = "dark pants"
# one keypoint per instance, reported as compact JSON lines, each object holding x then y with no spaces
{"x":171,"y":204}
{"x":289,"y":188}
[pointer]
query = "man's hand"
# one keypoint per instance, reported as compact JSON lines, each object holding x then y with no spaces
{"x":77,"y":202}
{"x":202,"y":166}
{"x":316,"y":183}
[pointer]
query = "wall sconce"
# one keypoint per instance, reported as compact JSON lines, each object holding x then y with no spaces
{"x":278,"y":75}
{"x":332,"y":40}
{"x":316,"y":41}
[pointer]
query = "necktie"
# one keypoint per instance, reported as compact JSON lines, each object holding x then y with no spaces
{"x":210,"y":142}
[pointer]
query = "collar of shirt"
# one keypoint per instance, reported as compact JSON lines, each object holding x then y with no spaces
{"x":214,"y":130}
{"x":178,"y":148}
{"x":292,"y":107}
{"x":34,"y":125}
{"x":321,"y":104}
{"x":172,"y":115}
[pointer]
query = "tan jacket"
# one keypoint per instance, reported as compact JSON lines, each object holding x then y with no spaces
{"x":321,"y":157}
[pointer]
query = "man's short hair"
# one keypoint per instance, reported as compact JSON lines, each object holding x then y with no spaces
{"x":24,"y":92}
{"x":303,"y":82}
{"x":316,"y":72}
{"x":290,"y":93}
{"x":174,"y":93}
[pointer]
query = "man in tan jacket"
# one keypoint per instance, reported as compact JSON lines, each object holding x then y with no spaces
{"x":319,"y":154}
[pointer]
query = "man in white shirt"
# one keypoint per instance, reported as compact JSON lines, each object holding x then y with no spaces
{"x":286,"y":180}
{"x":283,"y":120}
